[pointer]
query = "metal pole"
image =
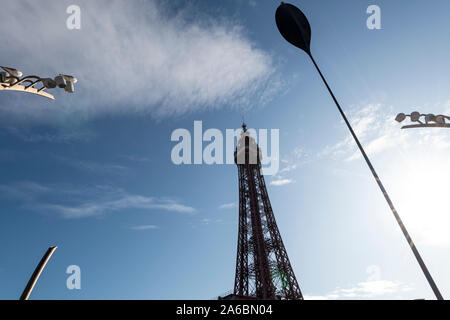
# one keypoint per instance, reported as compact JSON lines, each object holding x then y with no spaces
{"x":383,"y":190}
{"x":37,"y":272}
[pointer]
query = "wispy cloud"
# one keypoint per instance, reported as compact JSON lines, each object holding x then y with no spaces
{"x":93,"y":166}
{"x":372,"y":288}
{"x":51,"y":135}
{"x":133,"y":56}
{"x":134,"y":158}
{"x":281,"y":182}
{"x":24,"y":190}
{"x":69,"y":202}
{"x":96,"y":208}
{"x":144,"y":227}
{"x":364,"y":290}
{"x":375,"y":127}
{"x":291,"y":162}
{"x":230,"y":205}
{"x":287,"y":169}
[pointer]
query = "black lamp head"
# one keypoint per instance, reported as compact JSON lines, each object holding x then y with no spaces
{"x":294,"y":26}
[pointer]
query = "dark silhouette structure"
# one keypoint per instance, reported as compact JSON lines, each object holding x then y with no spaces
{"x":263,"y":270}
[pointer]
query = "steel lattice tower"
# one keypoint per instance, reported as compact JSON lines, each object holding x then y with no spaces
{"x":263,"y":270}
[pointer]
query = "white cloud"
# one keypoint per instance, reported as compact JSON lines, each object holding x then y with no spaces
{"x":132,"y":56}
{"x":144,"y":227}
{"x":205,"y":221}
{"x":375,"y":289}
{"x":287,"y":169}
{"x":24,"y":190}
{"x":376,"y":129}
{"x":324,"y":297}
{"x":55,"y":134}
{"x":96,"y":208}
{"x":372,"y":288}
{"x":93,"y":166}
{"x":231,"y":205}
{"x":85,"y":202}
{"x":134,"y":158}
{"x":296,"y":158}
{"x":281,"y":182}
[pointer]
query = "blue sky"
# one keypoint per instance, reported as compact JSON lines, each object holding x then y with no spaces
{"x":91,"y":172}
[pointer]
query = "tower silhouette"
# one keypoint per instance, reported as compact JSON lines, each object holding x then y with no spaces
{"x":263,"y":270}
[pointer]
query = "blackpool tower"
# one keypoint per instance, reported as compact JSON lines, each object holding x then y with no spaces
{"x":263,"y":270}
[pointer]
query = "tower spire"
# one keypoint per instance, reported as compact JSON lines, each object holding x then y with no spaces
{"x":263,"y":270}
{"x":244,"y":126}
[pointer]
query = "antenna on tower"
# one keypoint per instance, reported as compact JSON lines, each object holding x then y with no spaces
{"x":244,"y":126}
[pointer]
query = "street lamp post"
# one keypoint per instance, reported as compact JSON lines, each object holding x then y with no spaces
{"x":37,"y":273}
{"x":12,"y":79}
{"x":428,"y":120}
{"x":294,"y":27}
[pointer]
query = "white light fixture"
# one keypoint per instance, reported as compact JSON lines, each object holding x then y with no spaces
{"x":69,"y":78}
{"x":14,"y":72}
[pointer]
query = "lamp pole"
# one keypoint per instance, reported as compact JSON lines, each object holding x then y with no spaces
{"x":294,"y":27}
{"x":36,"y":274}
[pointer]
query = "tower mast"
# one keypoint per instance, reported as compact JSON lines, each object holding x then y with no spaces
{"x":263,"y":270}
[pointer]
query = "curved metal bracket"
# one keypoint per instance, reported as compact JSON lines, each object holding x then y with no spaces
{"x":429,"y":125}
{"x":429,"y":120}
{"x":32,"y":80}
{"x":11,"y":79}
{"x":29,"y":89}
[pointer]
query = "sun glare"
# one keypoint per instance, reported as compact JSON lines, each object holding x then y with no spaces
{"x":420,"y":191}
